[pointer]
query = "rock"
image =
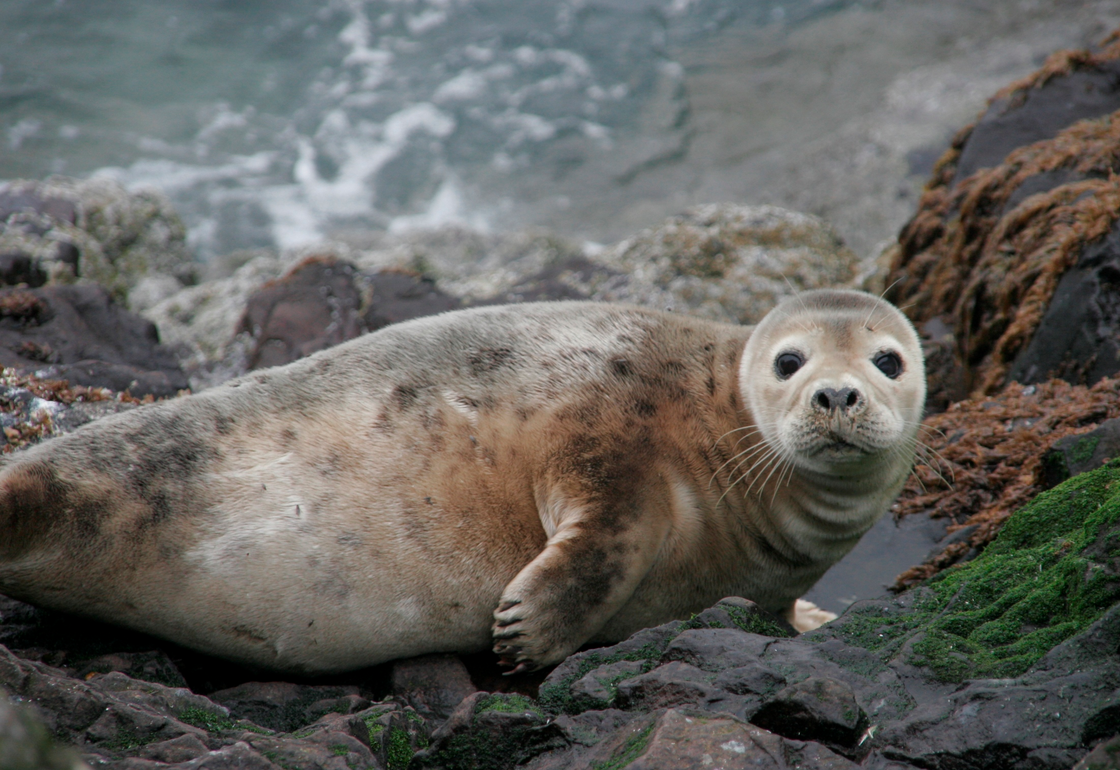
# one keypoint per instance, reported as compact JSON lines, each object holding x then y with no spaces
{"x":314,"y":306}
{"x":1076,"y":454}
{"x":434,"y":685}
{"x":815,"y":709}
{"x":181,"y":749}
{"x":323,"y":301}
{"x":25,"y":743}
{"x":494,"y":731}
{"x":62,"y":230}
{"x":399,"y":295}
{"x":680,"y":738}
{"x":727,"y":262}
{"x":284,"y":706}
{"x":1012,"y":258}
{"x":1105,"y":756}
{"x":78,"y":333}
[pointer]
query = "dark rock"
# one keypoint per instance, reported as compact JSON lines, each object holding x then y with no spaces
{"x":1014,"y":251}
{"x":17,"y":267}
{"x":316,"y":305}
{"x":815,"y":709}
{"x":1039,"y":113}
{"x":400,"y":295}
{"x":672,"y":684}
{"x":434,"y":685}
{"x":78,"y":333}
{"x":572,"y":278}
{"x":152,"y":666}
{"x":716,"y":649}
{"x":1077,"y":454}
{"x":743,"y":614}
{"x":494,"y":731}
{"x":1078,"y":338}
{"x":319,"y":303}
{"x":284,"y":706}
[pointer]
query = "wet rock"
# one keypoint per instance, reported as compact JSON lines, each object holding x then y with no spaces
{"x":78,"y":333}
{"x":493,"y":731}
{"x":1009,"y":267}
{"x":815,"y":709}
{"x":284,"y":706}
{"x":62,"y":230}
{"x":434,"y":685}
{"x":25,"y":743}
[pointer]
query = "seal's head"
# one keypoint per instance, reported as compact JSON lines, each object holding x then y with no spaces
{"x":835,"y":381}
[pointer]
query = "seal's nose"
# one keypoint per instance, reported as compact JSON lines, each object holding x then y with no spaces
{"x":831,"y":400}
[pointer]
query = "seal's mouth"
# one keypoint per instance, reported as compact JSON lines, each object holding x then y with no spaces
{"x":834,"y":445}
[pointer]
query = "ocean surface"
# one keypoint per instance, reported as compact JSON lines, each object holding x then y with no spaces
{"x":283,"y":123}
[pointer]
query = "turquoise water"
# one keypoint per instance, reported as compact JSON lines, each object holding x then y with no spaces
{"x":277,"y":123}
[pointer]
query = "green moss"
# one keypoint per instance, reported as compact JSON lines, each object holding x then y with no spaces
{"x":628,"y":751}
{"x":125,"y":740}
{"x":753,"y":623}
{"x":1082,"y":451}
{"x":1039,"y":583}
{"x":510,"y":703}
{"x":340,"y":749}
{"x":557,"y":698}
{"x":210,"y":721}
{"x":249,"y":726}
{"x":398,"y":749}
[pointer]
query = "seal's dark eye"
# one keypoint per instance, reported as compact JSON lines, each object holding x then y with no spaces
{"x":889,"y":364}
{"x":787,"y":363}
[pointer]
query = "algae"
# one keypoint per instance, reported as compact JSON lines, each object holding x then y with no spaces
{"x":630,"y":750}
{"x":557,"y":698}
{"x":511,"y":703}
{"x":1044,"y":579}
{"x":398,"y":749}
{"x":210,"y":721}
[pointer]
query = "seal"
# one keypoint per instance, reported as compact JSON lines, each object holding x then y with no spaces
{"x":532,"y":477}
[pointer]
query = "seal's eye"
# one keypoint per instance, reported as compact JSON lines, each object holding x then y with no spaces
{"x":889,"y":364}
{"x":787,"y":363}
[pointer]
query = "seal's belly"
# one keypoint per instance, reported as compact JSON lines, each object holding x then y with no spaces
{"x":329,"y":543}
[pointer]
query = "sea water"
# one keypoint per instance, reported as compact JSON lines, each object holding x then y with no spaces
{"x":277,"y":123}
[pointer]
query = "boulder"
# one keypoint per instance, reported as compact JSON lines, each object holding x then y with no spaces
{"x":1009,"y":266}
{"x":64,"y":230}
{"x":434,"y":685}
{"x":323,"y":301}
{"x":80,"y":334}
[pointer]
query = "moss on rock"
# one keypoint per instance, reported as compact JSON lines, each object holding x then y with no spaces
{"x":1050,"y":574}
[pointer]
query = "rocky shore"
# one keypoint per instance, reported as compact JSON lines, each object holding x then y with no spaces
{"x":1001,"y":650}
